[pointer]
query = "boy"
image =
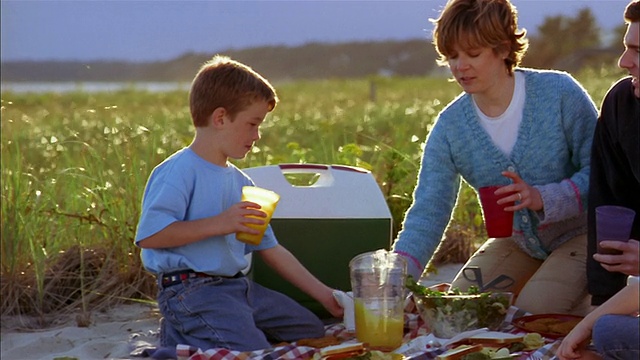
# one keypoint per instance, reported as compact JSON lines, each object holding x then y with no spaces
{"x":191,"y":211}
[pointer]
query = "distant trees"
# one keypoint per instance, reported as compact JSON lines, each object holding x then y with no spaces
{"x":569,"y":43}
{"x":278,"y":63}
{"x":616,"y":40}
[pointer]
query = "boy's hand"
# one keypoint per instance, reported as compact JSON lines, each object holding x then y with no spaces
{"x":331,"y":304}
{"x":235,"y":218}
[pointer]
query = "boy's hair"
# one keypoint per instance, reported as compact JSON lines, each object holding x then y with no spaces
{"x":632,"y":12}
{"x":480,"y":23}
{"x":223,"y":82}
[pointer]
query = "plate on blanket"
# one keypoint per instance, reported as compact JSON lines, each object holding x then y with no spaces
{"x":552,"y":326}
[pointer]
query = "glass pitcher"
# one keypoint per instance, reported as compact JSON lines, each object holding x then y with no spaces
{"x":378,"y":285}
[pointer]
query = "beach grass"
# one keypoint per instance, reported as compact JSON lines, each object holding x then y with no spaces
{"x":74,"y":166}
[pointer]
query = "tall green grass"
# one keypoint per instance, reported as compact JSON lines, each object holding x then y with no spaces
{"x":74,"y":167}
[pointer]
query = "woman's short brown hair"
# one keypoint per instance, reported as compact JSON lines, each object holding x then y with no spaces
{"x":223,"y":82}
{"x":477,"y":24}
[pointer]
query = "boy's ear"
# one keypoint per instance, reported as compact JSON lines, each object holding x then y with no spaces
{"x":218,"y":115}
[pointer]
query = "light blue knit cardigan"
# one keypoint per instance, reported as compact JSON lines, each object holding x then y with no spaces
{"x":551,"y":152}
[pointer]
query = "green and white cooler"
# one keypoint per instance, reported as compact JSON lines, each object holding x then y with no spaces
{"x":342,"y":213}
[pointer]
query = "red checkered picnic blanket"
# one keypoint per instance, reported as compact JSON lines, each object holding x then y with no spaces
{"x":414,"y":327}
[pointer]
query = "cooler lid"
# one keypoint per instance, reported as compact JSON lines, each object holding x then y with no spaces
{"x":339,"y":192}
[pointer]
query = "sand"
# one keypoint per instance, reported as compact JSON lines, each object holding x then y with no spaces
{"x":112,"y":334}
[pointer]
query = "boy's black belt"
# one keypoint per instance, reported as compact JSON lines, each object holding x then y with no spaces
{"x":169,"y":279}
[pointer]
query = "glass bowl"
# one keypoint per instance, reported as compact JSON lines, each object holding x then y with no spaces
{"x":449,"y":315}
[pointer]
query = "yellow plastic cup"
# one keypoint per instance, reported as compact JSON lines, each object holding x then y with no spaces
{"x":267,"y":200}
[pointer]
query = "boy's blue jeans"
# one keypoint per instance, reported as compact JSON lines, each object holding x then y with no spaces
{"x":617,"y":337}
{"x":232,"y":313}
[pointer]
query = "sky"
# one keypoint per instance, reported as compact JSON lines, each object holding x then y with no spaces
{"x":160,"y":30}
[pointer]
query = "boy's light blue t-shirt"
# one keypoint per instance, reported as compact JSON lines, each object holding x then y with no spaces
{"x":186,"y":187}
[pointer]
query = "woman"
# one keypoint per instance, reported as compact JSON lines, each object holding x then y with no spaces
{"x":527,"y":130}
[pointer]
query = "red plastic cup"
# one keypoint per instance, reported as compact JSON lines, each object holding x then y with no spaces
{"x":613,"y":223}
{"x":499,"y":223}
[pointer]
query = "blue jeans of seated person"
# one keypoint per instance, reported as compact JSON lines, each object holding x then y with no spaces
{"x":236,"y":314}
{"x":617,"y":337}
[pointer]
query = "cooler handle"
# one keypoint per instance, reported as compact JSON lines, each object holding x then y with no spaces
{"x":316,"y":167}
{"x":324,"y":171}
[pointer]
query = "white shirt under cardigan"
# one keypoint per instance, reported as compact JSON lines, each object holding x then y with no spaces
{"x":503,"y":129}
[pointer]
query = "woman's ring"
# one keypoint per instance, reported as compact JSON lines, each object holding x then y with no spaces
{"x":519,"y":197}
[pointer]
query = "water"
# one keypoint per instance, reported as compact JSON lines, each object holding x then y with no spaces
{"x":90,"y":87}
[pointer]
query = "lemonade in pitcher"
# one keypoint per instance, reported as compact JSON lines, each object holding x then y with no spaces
{"x":379,"y":325}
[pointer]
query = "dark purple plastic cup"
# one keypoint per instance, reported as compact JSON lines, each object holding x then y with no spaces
{"x":613,"y":223}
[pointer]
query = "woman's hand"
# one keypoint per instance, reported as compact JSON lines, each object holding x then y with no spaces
{"x":523,"y":194}
{"x":573,"y":345}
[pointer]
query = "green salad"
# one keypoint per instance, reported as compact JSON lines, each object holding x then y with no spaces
{"x":452,"y":312}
